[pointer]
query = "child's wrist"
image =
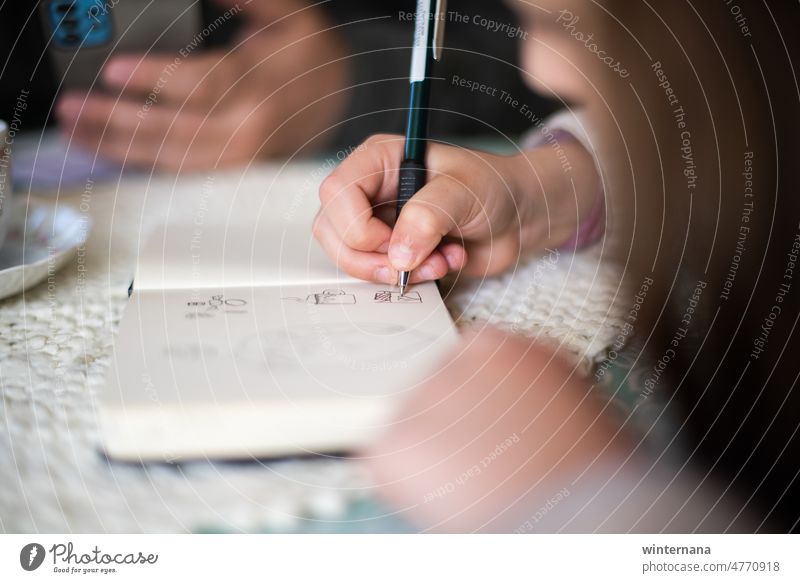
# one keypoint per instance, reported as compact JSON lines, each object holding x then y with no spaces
{"x":538,"y":188}
{"x":555,"y":192}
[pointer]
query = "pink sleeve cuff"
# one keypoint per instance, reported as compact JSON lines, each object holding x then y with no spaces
{"x":566,"y":126}
{"x":592,"y":228}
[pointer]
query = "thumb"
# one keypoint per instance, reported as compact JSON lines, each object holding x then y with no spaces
{"x":440,"y":208}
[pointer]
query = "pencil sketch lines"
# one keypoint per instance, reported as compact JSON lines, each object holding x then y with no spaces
{"x":328,"y":297}
{"x":394,"y":297}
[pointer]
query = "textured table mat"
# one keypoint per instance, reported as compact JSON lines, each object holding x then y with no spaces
{"x":55,"y":343}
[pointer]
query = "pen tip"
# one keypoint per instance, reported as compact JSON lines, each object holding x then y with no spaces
{"x":402,"y":281}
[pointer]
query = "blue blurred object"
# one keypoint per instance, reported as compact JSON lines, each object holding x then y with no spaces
{"x":79,"y":23}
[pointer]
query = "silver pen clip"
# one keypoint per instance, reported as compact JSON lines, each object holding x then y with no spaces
{"x":438,"y":29}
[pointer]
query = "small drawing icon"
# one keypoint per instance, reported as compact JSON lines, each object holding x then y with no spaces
{"x":31,"y":556}
{"x":393,"y":297}
{"x":383,"y":297}
{"x":327,"y":297}
{"x":217,"y":303}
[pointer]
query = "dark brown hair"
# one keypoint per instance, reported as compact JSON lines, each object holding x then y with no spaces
{"x":703,"y":180}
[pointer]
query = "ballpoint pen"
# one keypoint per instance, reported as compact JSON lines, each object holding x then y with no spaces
{"x":428,"y":36}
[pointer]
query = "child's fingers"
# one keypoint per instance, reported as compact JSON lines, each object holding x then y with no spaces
{"x":347,"y":196}
{"x":433,"y":268}
{"x":360,"y":264}
{"x":373,"y":266}
{"x":439,"y":209}
{"x":351,"y":215}
{"x":455,"y":255}
{"x":493,"y":257}
{"x":362,"y":188}
{"x":371,"y":170}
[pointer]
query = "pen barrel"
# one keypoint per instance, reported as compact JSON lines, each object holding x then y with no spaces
{"x":417,"y":122}
{"x":413,"y":176}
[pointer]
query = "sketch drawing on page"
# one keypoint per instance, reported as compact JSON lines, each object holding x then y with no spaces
{"x":394,"y":297}
{"x":216,"y":304}
{"x":326,"y":298}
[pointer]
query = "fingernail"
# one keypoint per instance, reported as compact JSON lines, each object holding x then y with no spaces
{"x":452,"y":260}
{"x":426,"y":272}
{"x":383,"y":274}
{"x":401,"y":257}
{"x":117,"y":72}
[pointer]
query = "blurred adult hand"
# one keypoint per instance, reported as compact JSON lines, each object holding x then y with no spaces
{"x":271,"y":93}
{"x":504,"y":424}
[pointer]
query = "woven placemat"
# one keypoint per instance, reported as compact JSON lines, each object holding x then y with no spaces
{"x":55,"y":343}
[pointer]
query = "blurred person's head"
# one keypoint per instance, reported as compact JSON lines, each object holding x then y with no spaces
{"x":695,"y":108}
{"x":560,"y":53}
{"x":702,"y":183}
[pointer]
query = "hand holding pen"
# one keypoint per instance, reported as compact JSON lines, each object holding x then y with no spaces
{"x":457,"y":210}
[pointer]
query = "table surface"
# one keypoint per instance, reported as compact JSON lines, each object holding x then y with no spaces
{"x":55,"y":344}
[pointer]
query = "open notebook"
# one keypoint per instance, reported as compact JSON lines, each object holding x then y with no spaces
{"x":242,"y":339}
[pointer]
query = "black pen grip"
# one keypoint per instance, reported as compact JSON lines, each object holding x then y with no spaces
{"x":412,"y":178}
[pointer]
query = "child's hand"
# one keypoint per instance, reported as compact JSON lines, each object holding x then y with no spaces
{"x":477,"y":212}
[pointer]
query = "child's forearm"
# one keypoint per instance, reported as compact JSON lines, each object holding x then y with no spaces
{"x":556,"y":190}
